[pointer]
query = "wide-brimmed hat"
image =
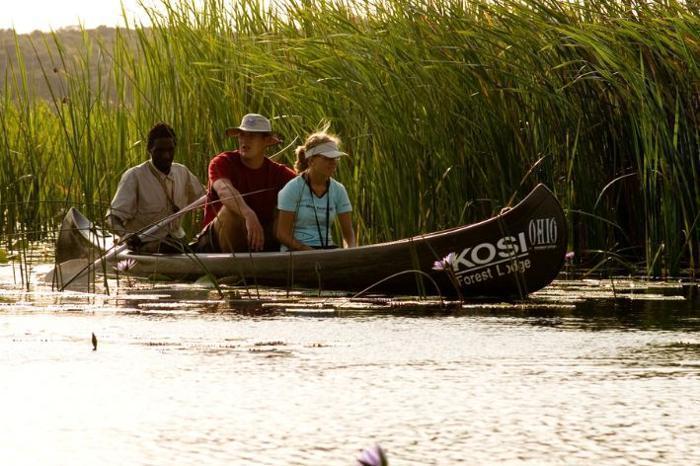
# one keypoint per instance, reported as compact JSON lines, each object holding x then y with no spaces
{"x":253,"y":123}
{"x":327,"y":149}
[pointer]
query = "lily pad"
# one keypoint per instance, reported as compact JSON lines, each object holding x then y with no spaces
{"x":205,"y":281}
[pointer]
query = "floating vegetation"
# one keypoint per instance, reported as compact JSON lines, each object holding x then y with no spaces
{"x":181,"y":299}
{"x":691,"y":345}
{"x":176,"y":306}
{"x":625,"y":288}
{"x":270,"y":343}
{"x":516,"y":307}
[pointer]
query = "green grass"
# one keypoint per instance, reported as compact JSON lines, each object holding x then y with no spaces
{"x":444,"y":106}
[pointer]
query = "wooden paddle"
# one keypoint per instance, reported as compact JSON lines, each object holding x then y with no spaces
{"x":76,"y":268}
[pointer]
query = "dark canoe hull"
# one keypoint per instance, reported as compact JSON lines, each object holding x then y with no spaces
{"x":510,"y":255}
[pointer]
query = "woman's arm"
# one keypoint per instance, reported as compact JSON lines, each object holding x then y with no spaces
{"x":285,"y":231}
{"x":346,"y":228}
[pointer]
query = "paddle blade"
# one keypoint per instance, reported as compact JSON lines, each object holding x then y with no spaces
{"x":71,"y":274}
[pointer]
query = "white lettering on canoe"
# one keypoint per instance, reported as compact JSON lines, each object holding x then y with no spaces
{"x":506,"y":249}
{"x":543,"y":232}
{"x":496,"y":270}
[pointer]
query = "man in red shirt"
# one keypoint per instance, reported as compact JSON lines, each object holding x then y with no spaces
{"x":242,"y":196}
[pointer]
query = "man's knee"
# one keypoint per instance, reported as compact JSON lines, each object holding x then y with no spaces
{"x":230,"y":230}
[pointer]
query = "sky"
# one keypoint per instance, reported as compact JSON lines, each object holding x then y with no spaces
{"x":28,"y":15}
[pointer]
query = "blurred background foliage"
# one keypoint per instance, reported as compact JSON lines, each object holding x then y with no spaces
{"x":450,"y":109}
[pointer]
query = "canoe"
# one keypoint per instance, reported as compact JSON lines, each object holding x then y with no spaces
{"x":512,"y":254}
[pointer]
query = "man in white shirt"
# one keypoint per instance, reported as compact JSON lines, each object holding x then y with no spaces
{"x":152,"y":191}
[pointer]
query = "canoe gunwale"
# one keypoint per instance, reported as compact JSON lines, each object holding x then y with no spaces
{"x":352,"y":269}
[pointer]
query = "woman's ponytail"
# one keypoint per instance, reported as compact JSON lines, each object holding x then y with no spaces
{"x":301,"y":163}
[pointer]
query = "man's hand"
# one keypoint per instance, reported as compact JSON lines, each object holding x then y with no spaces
{"x":233,"y":201}
{"x":134,"y":242}
{"x":256,"y":236}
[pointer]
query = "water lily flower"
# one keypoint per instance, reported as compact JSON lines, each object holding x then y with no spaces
{"x":125,"y":265}
{"x":373,"y":456}
{"x":446,"y":262}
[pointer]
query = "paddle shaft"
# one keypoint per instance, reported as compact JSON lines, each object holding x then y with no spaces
{"x":148,"y":231}
{"x":195,"y":205}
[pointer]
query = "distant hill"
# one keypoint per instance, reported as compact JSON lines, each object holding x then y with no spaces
{"x":40,"y":49}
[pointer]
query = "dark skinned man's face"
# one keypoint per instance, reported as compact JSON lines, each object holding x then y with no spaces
{"x":162,"y":154}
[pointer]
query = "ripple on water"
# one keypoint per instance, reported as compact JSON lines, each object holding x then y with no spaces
{"x":578,"y":374}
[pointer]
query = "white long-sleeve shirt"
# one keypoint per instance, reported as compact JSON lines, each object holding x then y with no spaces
{"x":141,"y":199}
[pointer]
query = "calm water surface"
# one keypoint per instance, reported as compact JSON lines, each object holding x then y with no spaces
{"x":578,"y":374}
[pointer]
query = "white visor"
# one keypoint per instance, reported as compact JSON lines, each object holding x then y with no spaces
{"x":327,"y":149}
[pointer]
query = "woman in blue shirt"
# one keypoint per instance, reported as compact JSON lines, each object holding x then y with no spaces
{"x":309,"y":203}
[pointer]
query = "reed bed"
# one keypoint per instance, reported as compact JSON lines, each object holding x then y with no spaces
{"x":444,"y":105}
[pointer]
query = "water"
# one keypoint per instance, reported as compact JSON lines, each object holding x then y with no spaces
{"x":579,"y":374}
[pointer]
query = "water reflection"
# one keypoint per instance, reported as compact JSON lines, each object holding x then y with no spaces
{"x":579,"y":373}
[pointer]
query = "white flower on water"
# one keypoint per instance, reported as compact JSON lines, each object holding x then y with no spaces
{"x":125,"y":265}
{"x":373,"y":456}
{"x":446,"y":262}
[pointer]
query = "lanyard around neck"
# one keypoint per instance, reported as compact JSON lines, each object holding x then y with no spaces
{"x":161,"y":180}
{"x":328,"y":208}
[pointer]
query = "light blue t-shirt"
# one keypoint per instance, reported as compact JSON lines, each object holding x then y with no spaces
{"x":310,"y":210}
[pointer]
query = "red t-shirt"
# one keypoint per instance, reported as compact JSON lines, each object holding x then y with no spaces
{"x":268,"y":179}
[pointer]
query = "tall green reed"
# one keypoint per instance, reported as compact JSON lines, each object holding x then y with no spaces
{"x":444,"y":106}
